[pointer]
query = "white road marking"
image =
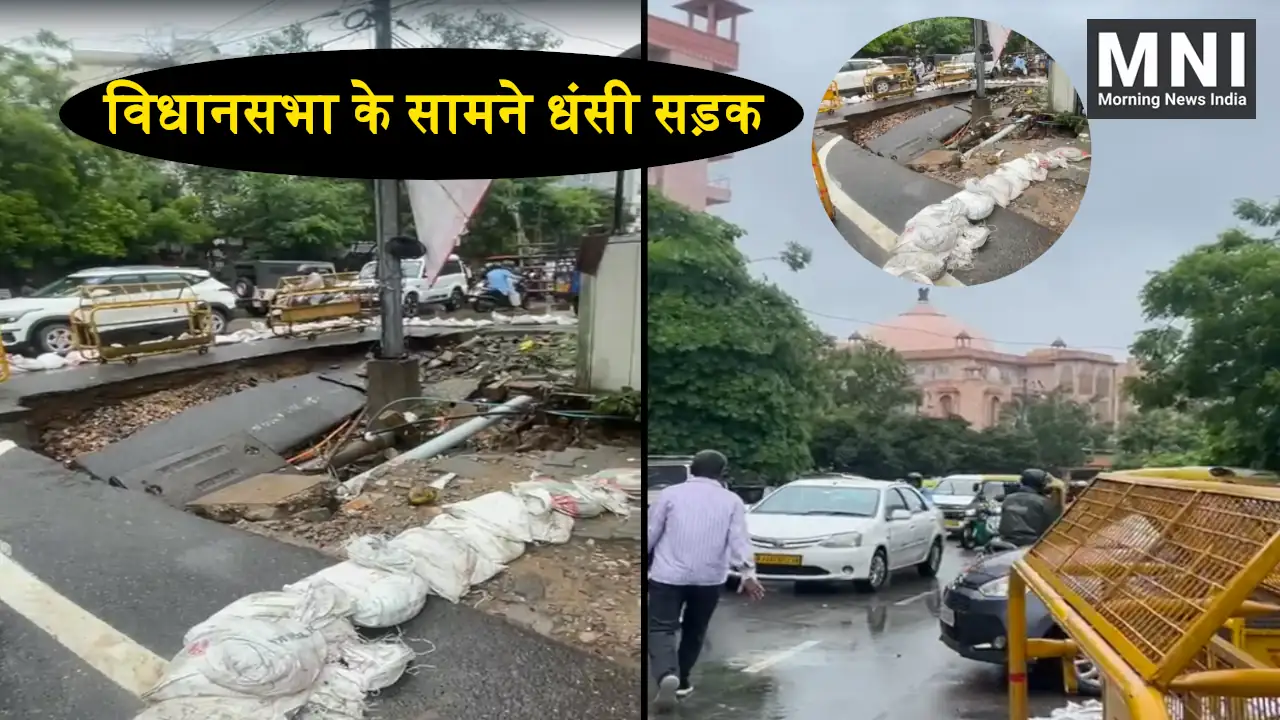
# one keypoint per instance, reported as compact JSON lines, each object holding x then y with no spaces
{"x":105,"y":649}
{"x":779,"y":656}
{"x":869,"y":224}
{"x":913,"y":598}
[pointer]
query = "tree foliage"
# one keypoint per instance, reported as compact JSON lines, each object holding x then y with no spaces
{"x":943,"y":35}
{"x":67,"y":202}
{"x":1161,"y":437}
{"x":1216,"y":348}
{"x":733,"y":363}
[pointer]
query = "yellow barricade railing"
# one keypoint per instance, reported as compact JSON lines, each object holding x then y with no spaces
{"x":4,"y":364}
{"x":307,"y":305}
{"x":822,"y":184}
{"x":831,"y":99}
{"x":107,"y":309}
{"x":1150,"y":578}
{"x":948,"y":73}
{"x":892,"y":82}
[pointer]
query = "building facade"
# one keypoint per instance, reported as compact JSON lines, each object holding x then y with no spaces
{"x":708,"y":40}
{"x":961,"y":373}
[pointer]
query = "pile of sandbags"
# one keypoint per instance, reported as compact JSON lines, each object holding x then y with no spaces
{"x":943,"y":237}
{"x":297,"y":654}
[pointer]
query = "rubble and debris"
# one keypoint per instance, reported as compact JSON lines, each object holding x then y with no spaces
{"x":270,"y":496}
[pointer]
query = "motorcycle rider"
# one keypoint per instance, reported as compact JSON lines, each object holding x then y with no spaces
{"x":915,"y":480}
{"x":1028,"y":511}
{"x":501,"y":278}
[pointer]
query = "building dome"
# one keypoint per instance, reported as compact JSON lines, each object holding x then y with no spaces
{"x":923,"y":327}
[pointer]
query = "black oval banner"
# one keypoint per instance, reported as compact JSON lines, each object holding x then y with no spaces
{"x":433,"y":114}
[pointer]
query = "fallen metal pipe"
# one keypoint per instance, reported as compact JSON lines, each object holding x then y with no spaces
{"x":998,"y":136}
{"x":436,"y":445}
{"x":360,"y":448}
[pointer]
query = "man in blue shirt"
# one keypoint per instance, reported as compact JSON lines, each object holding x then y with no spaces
{"x":575,"y":287}
{"x":503,"y":280}
{"x":1020,"y":64}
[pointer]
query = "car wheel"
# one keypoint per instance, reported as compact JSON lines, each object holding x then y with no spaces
{"x":218,"y":320}
{"x":456,"y":300}
{"x":411,"y":305}
{"x":929,"y":568}
{"x":54,"y":337}
{"x":881,"y":87}
{"x":244,"y":288}
{"x":877,"y":574}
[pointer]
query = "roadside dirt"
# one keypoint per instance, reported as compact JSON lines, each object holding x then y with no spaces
{"x":585,"y":592}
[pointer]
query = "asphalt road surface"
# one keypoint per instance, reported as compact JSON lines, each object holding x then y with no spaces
{"x":834,"y":652}
{"x":875,"y":196}
{"x":96,"y":582}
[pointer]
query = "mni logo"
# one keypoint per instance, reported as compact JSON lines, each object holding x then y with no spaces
{"x":1177,"y":69}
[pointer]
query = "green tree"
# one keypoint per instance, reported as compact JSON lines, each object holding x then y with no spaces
{"x":930,"y":37}
{"x":1161,"y":437}
{"x":1064,"y":431}
{"x":733,"y":362}
{"x":1217,"y":345}
{"x":66,"y":202}
{"x":548,"y":212}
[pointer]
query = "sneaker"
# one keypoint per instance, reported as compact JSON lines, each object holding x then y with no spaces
{"x":668,"y":689}
{"x":684,"y":691}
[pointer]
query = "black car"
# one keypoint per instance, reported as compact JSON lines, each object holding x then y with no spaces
{"x":973,"y":611}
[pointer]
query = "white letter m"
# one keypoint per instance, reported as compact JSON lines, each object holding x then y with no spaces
{"x":1110,"y":55}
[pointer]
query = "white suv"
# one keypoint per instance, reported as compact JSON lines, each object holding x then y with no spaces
{"x":40,"y":322}
{"x":449,"y":289}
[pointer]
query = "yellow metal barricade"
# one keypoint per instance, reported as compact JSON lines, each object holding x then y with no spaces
{"x":891,"y":82}
{"x":4,"y":364}
{"x":308,"y":305}
{"x":1147,"y":577}
{"x":831,"y":99}
{"x":822,"y":184}
{"x":950,"y":73}
{"x":106,"y":309}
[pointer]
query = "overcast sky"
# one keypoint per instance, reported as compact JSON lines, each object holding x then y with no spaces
{"x":586,"y":26}
{"x":1158,"y":188}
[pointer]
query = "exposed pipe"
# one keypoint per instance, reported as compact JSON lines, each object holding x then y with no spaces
{"x":998,"y":136}
{"x":436,"y":445}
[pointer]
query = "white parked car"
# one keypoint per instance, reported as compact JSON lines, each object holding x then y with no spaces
{"x":968,"y":60}
{"x":40,"y":322}
{"x":849,"y":81}
{"x":449,"y":289}
{"x":844,"y":528}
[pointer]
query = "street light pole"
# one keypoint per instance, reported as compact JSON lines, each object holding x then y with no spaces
{"x":386,"y":222}
{"x":980,"y":107}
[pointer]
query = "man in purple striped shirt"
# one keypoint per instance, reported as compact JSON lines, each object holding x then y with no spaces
{"x":697,"y":532}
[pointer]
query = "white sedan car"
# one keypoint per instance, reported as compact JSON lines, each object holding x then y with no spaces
{"x":841,"y":528}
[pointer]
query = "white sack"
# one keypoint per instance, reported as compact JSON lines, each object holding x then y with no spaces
{"x":448,"y":563}
{"x":264,"y":659}
{"x":545,"y":524}
{"x":338,"y":695}
{"x":213,"y":709}
{"x":380,"y":598}
{"x":581,"y":498}
{"x":999,"y":188}
{"x":377,"y":664}
{"x":977,"y":206}
{"x":321,"y":607}
{"x":1027,"y":168}
{"x":922,"y":267}
{"x":933,"y":229}
{"x":490,"y":546}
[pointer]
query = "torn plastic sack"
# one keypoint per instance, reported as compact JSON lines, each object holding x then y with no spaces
{"x":210,"y":708}
{"x":1000,"y":189}
{"x":916,"y":266}
{"x":977,"y":206}
{"x":1028,"y":169}
{"x":266,"y":659}
{"x":1018,"y":182}
{"x":380,"y":598}
{"x":1061,"y":157}
{"x":338,"y":695}
{"x":1087,"y":710}
{"x":321,"y":607}
{"x":580,"y":498}
{"x":375,"y":551}
{"x":448,"y":563}
{"x":377,"y":664}
{"x":628,"y":481}
{"x":974,"y":237}
{"x":489,"y":545}
{"x":933,"y":229}
{"x":546,"y":525}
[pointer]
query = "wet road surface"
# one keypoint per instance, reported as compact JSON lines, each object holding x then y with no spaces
{"x":834,"y":652}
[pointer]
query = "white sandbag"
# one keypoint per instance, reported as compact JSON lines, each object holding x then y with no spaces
{"x":277,"y":660}
{"x":337,"y":695}
{"x":50,"y":361}
{"x":977,"y":206}
{"x":917,"y":266}
{"x":934,"y":229}
{"x":973,"y":237}
{"x":546,"y":526}
{"x":380,"y":598}
{"x":1087,"y":710}
{"x":209,"y":708}
{"x":322,"y":607}
{"x":373,"y":551}
{"x":1026,"y":168}
{"x":999,"y":188}
{"x":1063,"y":156}
{"x":1018,"y":182}
{"x":502,"y":512}
{"x":376,"y":664}
{"x":491,"y":546}
{"x":448,"y":563}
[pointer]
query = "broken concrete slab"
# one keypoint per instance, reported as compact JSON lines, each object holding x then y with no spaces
{"x":935,"y":160}
{"x":920,"y":134}
{"x":282,"y":415}
{"x":268,"y":496}
{"x":181,"y":477}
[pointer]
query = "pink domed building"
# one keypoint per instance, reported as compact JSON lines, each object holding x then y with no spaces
{"x":960,"y":372}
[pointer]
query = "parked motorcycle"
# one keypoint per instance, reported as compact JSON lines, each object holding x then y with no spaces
{"x":981,"y":527}
{"x":485,"y":299}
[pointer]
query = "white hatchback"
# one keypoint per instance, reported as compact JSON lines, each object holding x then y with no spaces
{"x":852,"y":76}
{"x":844,"y":528}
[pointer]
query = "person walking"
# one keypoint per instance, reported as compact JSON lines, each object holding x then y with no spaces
{"x":697,"y":533}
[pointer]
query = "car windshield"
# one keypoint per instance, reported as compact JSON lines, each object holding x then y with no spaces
{"x":963,"y":58}
{"x":66,"y":286}
{"x":660,"y":476}
{"x":958,"y":487}
{"x":408,"y":268}
{"x":820,"y":500}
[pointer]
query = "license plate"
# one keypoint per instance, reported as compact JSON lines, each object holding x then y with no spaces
{"x":947,"y":616}
{"x":767,"y":559}
{"x":952,"y":524}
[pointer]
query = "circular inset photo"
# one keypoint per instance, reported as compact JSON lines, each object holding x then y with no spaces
{"x":951,"y":151}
